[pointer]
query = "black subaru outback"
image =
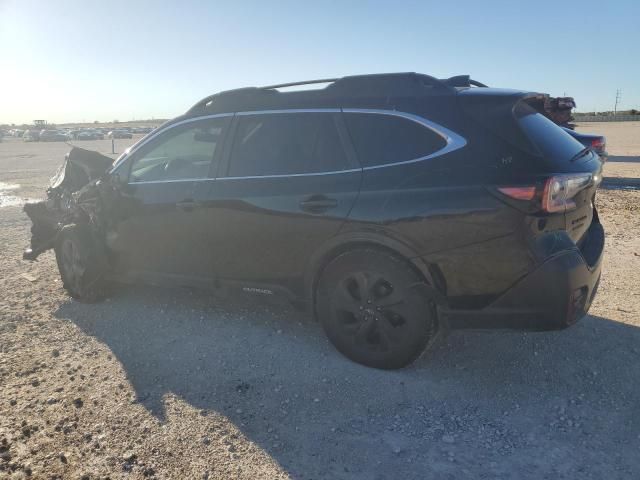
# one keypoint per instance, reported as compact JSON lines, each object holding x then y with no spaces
{"x":390,"y":205}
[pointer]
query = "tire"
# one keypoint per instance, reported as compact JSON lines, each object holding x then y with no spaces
{"x":375,"y":308}
{"x":82,"y":264}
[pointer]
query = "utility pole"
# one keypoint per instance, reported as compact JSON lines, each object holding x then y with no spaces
{"x":618,"y":95}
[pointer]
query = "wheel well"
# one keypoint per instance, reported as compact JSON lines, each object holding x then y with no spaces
{"x":328,"y":256}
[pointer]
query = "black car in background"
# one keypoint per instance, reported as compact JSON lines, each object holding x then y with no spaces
{"x":120,"y":134}
{"x":53,"y":136}
{"x":391,"y":206}
{"x":598,"y":143}
{"x":89,"y":134}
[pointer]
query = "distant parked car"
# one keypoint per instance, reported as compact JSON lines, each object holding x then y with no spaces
{"x":53,"y":136}
{"x":598,"y":143}
{"x":90,"y":135}
{"x":18,"y":133}
{"x":120,"y":134}
{"x":31,"y":135}
{"x":143,"y":130}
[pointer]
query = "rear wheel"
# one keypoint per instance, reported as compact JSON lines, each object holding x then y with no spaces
{"x":82,"y":264}
{"x":374,"y":308}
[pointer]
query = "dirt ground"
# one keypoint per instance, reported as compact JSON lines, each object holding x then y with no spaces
{"x":157,"y":383}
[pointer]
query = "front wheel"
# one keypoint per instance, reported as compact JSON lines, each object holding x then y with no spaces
{"x":82,"y":263}
{"x":374,"y":308}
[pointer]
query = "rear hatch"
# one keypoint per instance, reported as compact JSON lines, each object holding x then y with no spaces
{"x":565,"y":157}
{"x":544,"y":168}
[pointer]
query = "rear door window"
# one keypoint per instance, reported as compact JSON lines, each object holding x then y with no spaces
{"x":382,"y":139}
{"x":286,"y":144}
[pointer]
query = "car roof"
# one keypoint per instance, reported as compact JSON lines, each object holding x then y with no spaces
{"x":357,"y":91}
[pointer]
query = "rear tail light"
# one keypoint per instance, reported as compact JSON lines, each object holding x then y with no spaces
{"x":519,"y":193}
{"x":598,"y":143}
{"x":557,"y":192}
{"x":560,"y":190}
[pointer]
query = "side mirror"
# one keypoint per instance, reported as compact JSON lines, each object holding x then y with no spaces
{"x":117,"y":180}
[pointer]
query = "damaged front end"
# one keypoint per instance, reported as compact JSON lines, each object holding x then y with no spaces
{"x":78,"y":193}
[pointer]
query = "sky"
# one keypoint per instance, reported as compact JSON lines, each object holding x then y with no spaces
{"x":84,"y":60}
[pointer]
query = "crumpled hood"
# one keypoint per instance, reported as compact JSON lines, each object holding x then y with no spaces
{"x":79,"y":168}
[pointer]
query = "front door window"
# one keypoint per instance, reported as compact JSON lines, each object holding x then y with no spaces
{"x":185,"y":152}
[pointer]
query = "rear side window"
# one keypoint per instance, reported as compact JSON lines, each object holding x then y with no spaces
{"x":286,"y":144}
{"x":553,"y":142}
{"x":382,"y":139}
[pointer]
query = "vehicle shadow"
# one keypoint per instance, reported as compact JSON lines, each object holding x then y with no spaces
{"x":620,"y":183}
{"x":477,"y":404}
{"x":623,"y":159}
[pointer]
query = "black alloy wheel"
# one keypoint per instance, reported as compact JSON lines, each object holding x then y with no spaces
{"x":375,"y":309}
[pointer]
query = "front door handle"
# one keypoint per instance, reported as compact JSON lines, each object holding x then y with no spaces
{"x":318,"y":204}
{"x":187,"y":205}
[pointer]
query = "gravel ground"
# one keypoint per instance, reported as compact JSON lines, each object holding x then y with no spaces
{"x":157,"y":383}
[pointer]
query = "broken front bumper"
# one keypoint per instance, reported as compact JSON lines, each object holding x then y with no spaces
{"x":69,"y":198}
{"x":44,"y":231}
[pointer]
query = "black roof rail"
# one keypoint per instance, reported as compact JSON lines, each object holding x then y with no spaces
{"x":361,"y":85}
{"x":206,"y":101}
{"x":463,"y":81}
{"x":387,"y":81}
{"x":476,"y":83}
{"x":294,"y":84}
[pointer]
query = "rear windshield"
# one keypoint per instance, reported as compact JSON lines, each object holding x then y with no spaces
{"x":552,"y":141}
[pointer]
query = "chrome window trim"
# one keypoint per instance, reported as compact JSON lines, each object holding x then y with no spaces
{"x":454,"y":141}
{"x":351,"y":170}
{"x":292,"y":110}
{"x":288,"y":175}
{"x":146,"y":182}
{"x":137,"y":146}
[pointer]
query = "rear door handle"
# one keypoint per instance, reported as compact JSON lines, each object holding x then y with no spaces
{"x":187,"y":205}
{"x":318,"y":204}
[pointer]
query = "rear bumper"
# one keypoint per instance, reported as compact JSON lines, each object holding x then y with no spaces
{"x":553,"y":296}
{"x":604,"y":155}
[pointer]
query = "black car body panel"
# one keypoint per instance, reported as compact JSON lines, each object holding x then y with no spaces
{"x":434,"y":199}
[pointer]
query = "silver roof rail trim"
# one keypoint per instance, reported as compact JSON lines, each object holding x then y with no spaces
{"x":291,"y":110}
